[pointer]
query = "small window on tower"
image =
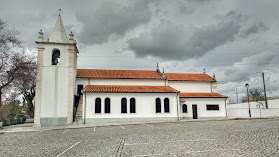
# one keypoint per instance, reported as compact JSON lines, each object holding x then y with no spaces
{"x":56,"y":57}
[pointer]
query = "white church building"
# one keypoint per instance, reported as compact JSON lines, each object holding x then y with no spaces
{"x":66,"y":95}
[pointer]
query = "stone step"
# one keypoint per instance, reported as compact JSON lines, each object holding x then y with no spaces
{"x":79,"y":110}
{"x":29,"y":120}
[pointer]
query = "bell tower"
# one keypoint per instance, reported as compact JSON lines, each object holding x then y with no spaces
{"x":56,"y":75}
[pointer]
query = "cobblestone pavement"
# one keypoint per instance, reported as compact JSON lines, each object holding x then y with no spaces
{"x":211,"y":138}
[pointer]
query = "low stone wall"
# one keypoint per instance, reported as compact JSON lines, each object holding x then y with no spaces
{"x":15,"y":121}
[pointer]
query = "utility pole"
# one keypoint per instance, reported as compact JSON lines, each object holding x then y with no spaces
{"x":266,"y":106}
{"x":236,"y":95}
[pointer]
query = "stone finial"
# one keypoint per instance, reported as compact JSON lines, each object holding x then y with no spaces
{"x":41,"y":36}
{"x":157,"y":66}
{"x":203,"y":71}
{"x":163,"y":72}
{"x":71,"y":39}
{"x":213,"y":76}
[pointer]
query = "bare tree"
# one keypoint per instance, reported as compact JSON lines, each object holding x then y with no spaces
{"x":256,"y":94}
{"x":10,"y":61}
{"x":26,"y":83}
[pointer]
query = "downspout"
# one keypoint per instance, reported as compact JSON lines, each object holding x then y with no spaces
{"x":211,"y":87}
{"x":84,"y":109}
{"x":177,"y":100}
{"x":226,"y":107}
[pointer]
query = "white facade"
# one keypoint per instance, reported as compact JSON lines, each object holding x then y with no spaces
{"x":202,"y":111}
{"x":182,"y":86}
{"x":126,"y":82}
{"x":191,"y":86}
{"x":145,"y":107}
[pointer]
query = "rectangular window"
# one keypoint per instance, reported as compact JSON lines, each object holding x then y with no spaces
{"x":212,"y":107}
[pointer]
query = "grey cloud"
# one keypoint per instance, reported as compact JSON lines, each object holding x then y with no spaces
{"x":249,"y":65}
{"x":253,"y":29}
{"x":102,"y":20}
{"x":171,"y":41}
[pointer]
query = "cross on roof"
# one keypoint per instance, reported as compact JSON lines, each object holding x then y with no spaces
{"x":59,"y":10}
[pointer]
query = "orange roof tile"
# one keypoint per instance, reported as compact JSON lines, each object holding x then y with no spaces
{"x":201,"y":95}
{"x":188,"y":77}
{"x":118,"y":74}
{"x":181,"y":99}
{"x":128,"y":89}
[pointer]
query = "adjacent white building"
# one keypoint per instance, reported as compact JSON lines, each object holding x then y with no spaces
{"x":65,"y":94}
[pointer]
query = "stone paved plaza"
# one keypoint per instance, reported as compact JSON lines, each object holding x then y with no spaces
{"x":259,"y":137}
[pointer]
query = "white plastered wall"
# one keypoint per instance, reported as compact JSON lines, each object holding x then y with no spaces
{"x":201,"y":107}
{"x":121,"y":82}
{"x":241,"y":109}
{"x":191,"y":86}
{"x":145,"y":105}
{"x":54,"y":95}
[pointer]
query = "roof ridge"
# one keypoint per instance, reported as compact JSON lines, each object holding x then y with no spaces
{"x":127,"y":85}
{"x":129,"y":89}
{"x":185,"y":73}
{"x":205,"y":95}
{"x":118,"y":69}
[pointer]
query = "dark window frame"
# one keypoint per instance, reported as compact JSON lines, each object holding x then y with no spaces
{"x":123,"y":105}
{"x":107,"y":105}
{"x":184,"y":108}
{"x":158,"y":105}
{"x":98,"y":105}
{"x":212,"y":107}
{"x":167,"y":105}
{"x":132,"y":105}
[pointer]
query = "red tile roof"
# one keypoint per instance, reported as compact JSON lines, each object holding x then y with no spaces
{"x":128,"y":89}
{"x":188,"y":77}
{"x":201,"y":95}
{"x":118,"y":74}
{"x":140,"y":74}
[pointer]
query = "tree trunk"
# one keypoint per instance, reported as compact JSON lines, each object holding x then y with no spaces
{"x":0,"y":98}
{"x":30,"y":107}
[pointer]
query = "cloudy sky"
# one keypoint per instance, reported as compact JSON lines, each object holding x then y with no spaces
{"x":233,"y":39}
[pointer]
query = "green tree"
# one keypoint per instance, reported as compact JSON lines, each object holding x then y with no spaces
{"x":11,"y":110}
